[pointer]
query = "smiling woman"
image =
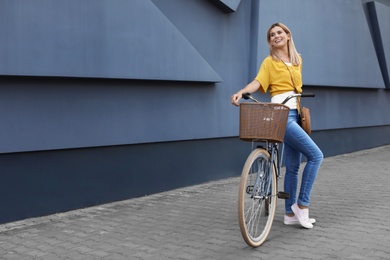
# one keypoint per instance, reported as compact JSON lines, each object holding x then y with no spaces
{"x":281,"y":44}
{"x":281,"y":74}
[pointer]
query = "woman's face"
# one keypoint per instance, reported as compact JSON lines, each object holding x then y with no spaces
{"x":278,"y":37}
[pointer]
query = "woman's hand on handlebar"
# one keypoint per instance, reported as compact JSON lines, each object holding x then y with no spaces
{"x":250,"y":88}
{"x":235,"y":98}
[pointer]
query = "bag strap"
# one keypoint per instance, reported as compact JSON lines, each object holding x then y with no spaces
{"x":296,"y":90}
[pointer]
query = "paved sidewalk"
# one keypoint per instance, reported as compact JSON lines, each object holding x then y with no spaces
{"x":350,"y":201}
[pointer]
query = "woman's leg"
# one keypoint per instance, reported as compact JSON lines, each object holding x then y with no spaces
{"x":292,"y":160}
{"x":297,"y":142}
{"x":314,"y":159}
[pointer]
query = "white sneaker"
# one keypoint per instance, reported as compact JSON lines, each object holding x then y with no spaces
{"x":294,"y":220}
{"x":302,"y":216}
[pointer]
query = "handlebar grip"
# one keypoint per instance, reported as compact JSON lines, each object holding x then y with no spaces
{"x":246,"y":95}
{"x":308,"y":95}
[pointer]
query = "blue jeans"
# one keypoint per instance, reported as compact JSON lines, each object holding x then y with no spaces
{"x":296,"y":143}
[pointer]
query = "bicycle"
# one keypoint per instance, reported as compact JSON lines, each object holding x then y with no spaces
{"x":258,"y":190}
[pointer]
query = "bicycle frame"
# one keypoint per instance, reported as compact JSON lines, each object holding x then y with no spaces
{"x":273,"y":150}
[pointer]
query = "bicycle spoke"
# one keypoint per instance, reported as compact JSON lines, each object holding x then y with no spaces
{"x":254,"y":222}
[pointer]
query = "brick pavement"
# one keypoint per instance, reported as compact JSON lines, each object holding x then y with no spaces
{"x":350,"y":201}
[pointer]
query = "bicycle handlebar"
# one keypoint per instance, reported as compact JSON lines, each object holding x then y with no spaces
{"x":248,"y":96}
{"x":308,"y":95}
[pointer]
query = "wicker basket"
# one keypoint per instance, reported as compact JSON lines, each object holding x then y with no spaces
{"x":263,"y":121}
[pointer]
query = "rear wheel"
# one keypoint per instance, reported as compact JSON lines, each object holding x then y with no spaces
{"x":257,"y":198}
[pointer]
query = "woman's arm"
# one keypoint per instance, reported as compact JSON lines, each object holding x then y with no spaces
{"x":251,"y":87}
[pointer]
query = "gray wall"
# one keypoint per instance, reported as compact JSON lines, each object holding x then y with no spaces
{"x":85,"y":85}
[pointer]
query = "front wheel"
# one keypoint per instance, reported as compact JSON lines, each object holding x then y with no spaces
{"x":257,"y":198}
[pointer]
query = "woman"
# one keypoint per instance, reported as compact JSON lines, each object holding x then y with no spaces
{"x":281,"y":74}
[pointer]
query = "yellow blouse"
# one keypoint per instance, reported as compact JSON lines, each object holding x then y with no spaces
{"x":276,"y":76}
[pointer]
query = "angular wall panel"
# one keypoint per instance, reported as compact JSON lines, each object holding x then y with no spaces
{"x":383,"y":15}
{"x":227,"y":6}
{"x":333,"y":37}
{"x":96,"y":38}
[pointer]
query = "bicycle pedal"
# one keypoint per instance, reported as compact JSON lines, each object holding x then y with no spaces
{"x":283,"y":195}
{"x":249,"y":189}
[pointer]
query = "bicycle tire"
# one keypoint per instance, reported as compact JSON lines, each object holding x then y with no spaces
{"x":255,"y":224}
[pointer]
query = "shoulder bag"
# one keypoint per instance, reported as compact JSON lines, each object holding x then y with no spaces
{"x":303,"y":112}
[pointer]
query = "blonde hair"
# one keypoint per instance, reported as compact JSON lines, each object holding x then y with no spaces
{"x":292,"y":51}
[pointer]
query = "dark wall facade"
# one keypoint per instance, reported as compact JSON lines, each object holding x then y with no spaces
{"x":107,"y":100}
